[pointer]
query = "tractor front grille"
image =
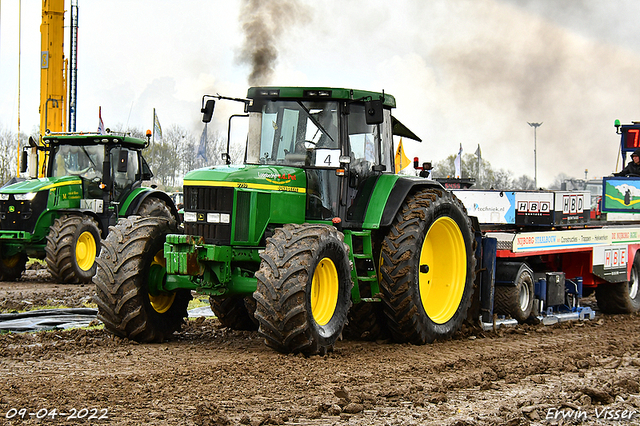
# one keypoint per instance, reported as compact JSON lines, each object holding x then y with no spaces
{"x":22,"y":215}
{"x":203,"y":200}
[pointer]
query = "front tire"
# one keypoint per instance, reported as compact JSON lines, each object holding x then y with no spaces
{"x":303,"y":289}
{"x":427,"y":267}
{"x":73,"y":244}
{"x":624,"y":297}
{"x":131,"y":261}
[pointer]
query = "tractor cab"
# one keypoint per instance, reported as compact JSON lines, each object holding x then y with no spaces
{"x":341,"y":138}
{"x":84,"y":156}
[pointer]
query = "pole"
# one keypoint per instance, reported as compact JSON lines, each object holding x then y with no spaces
{"x":19,"y":64}
{"x":535,"y":154}
{"x":153,"y":123}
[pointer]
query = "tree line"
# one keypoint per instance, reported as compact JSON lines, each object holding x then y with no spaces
{"x":176,"y":153}
{"x":486,"y":178}
{"x":169,"y":157}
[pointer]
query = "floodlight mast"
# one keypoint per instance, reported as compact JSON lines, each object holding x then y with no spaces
{"x":535,"y":149}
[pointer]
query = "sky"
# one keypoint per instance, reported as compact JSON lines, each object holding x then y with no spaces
{"x":470,"y":72}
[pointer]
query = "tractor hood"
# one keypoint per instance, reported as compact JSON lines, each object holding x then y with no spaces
{"x":40,"y":184}
{"x":271,"y":178}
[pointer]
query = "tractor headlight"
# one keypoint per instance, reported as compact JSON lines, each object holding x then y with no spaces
{"x":213,"y":217}
{"x":190,"y":217}
{"x":4,"y":197}
{"x":25,"y":197}
{"x":225,"y":218}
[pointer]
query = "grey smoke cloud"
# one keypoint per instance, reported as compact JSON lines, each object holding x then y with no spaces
{"x":264,"y":23}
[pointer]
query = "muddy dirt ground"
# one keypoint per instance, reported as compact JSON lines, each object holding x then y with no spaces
{"x":570,"y":373}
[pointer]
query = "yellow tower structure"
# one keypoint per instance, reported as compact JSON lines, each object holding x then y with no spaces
{"x":52,"y":70}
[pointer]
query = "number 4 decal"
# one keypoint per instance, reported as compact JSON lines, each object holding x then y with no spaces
{"x":327,"y":158}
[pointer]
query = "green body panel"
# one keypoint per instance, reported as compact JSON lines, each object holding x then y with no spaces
{"x":263,"y":195}
{"x":313,"y":93}
{"x":378,"y":200}
{"x":271,"y":178}
{"x":132,"y":196}
{"x":63,"y":193}
{"x":42,"y":184}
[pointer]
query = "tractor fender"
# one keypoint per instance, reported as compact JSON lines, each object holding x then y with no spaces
{"x":403,"y":186}
{"x":134,"y":201}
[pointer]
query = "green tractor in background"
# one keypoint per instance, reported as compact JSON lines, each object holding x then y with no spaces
{"x":91,"y":180}
{"x":313,"y":232}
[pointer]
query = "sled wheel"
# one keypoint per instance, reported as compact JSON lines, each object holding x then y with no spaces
{"x":130,"y":267}
{"x":303,"y":289}
{"x":427,"y":267}
{"x":233,"y":312}
{"x":73,"y":243}
{"x":624,"y":297}
{"x":514,"y":300}
{"x":11,"y":267}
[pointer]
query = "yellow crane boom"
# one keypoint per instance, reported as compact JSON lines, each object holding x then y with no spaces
{"x":53,"y":66}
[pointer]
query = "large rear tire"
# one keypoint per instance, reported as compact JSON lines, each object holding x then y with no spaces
{"x":152,"y":206}
{"x":233,"y":312}
{"x":12,"y":267}
{"x":427,"y":267}
{"x":304,"y":289}
{"x":131,"y":260}
{"x":624,"y":297}
{"x":73,"y":244}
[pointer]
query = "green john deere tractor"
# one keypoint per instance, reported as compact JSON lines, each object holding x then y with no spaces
{"x":91,"y":180}
{"x":313,"y":232}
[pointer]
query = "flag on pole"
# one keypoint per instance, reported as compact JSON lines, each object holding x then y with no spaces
{"x":157,"y":130}
{"x":401,"y":159}
{"x":457,"y":163}
{"x":202,"y":149}
{"x":478,"y":153}
{"x":101,"y":130}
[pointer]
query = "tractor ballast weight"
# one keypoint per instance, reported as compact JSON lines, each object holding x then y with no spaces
{"x":313,"y":235}
{"x":90,"y":181}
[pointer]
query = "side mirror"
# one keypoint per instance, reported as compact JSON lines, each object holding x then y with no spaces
{"x":123,"y":158}
{"x":373,"y":111}
{"x":23,"y":162}
{"x":226,"y":158}
{"x":207,"y":111}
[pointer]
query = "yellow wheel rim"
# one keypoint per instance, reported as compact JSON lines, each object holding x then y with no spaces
{"x":443,"y":270}
{"x":324,"y":291}
{"x":86,"y":251}
{"x":162,"y":302}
